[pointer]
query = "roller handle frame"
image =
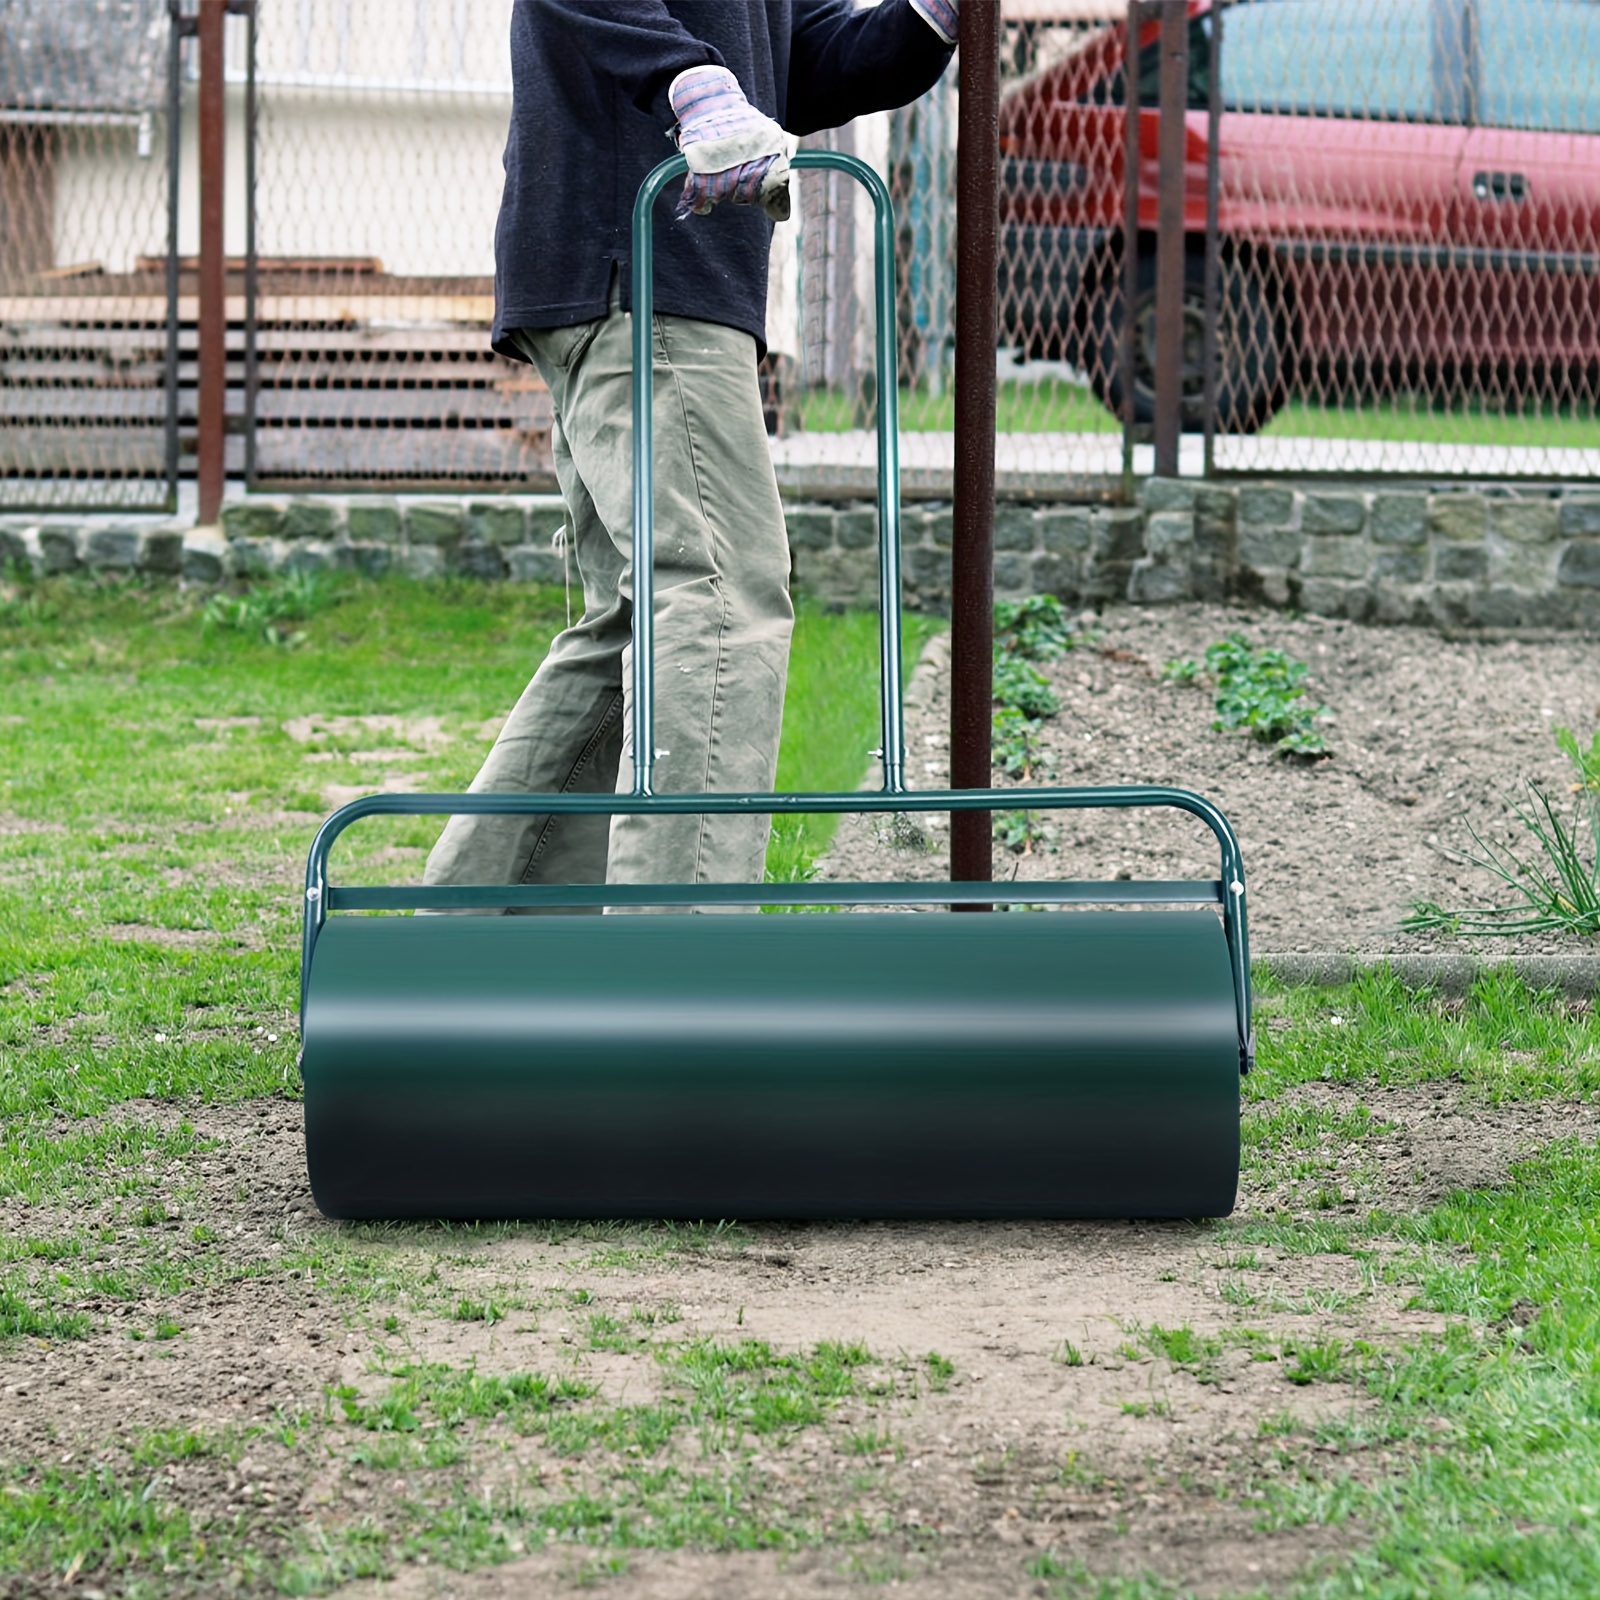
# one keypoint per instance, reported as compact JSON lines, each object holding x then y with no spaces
{"x":1227,"y":890}
{"x":891,"y":667}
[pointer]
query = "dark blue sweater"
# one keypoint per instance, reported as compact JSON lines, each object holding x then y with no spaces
{"x":590,"y":118}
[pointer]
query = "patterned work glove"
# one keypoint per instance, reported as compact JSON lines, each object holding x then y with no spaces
{"x":943,"y":16}
{"x":734,"y":152}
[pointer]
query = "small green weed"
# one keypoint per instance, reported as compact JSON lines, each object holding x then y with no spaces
{"x":269,"y":611}
{"x":1194,"y":1353}
{"x":869,"y":1442}
{"x":1024,"y":688}
{"x":608,"y":1333}
{"x":1146,"y":1408}
{"x":1327,"y":1361}
{"x":1068,"y":1354}
{"x":940,"y":1369}
{"x":1047,"y":1564}
{"x":1035,"y":629}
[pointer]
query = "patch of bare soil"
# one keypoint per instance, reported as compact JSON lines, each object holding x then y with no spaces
{"x":235,"y":1311}
{"x":1429,"y":736}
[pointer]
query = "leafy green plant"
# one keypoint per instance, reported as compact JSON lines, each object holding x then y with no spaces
{"x":1263,"y":692}
{"x":1035,"y":629}
{"x":1025,"y":631}
{"x":1021,"y":832}
{"x":1018,"y":749}
{"x":1021,"y":687}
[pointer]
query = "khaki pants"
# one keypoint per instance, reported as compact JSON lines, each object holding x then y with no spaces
{"x":722,"y":611}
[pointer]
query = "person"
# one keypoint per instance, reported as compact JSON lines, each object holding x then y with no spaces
{"x":601,"y":89}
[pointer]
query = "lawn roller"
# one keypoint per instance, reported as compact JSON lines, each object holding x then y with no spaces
{"x":1036,"y":1061}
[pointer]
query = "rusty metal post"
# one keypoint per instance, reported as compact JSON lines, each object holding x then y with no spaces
{"x":1169,"y":237}
{"x":1213,"y":196}
{"x":213,"y":274}
{"x":972,"y":534}
{"x":1131,"y":159}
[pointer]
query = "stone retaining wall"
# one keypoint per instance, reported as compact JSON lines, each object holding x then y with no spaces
{"x":1469,"y":557}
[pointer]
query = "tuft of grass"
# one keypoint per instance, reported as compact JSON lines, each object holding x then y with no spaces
{"x":1191,"y":1352}
{"x":269,"y":610}
{"x":1553,"y":889}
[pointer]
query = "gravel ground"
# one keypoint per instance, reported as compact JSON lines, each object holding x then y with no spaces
{"x":1430,"y":736}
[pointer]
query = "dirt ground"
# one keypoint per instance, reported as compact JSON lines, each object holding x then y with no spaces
{"x":1050,"y":1431}
{"x":1429,"y":736}
{"x":1055,"y":1431}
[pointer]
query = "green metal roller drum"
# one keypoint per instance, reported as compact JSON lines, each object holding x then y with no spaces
{"x":1045,"y":1060}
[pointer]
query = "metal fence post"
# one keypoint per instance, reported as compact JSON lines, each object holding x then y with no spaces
{"x":1131,"y":162}
{"x":252,"y":260}
{"x":213,"y":397}
{"x":972,"y":515}
{"x":1213,"y":193}
{"x":181,"y":27}
{"x":1170,"y":247}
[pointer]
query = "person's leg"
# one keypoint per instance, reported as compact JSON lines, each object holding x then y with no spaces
{"x":723,"y":615}
{"x":565,"y":732}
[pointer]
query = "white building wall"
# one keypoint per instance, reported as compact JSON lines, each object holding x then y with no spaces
{"x":382,"y":124}
{"x":110,"y":202}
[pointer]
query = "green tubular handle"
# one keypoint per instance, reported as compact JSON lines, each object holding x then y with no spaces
{"x":890,"y":671}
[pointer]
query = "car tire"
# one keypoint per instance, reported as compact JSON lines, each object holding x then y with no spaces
{"x":1252,"y":345}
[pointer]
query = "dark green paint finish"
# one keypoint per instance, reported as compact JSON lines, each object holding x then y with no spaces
{"x":1039,"y":1064}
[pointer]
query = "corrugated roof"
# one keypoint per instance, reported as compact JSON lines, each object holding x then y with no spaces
{"x":83,"y":55}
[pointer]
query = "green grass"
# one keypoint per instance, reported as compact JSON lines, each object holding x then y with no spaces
{"x":1471,"y":422}
{"x":1056,"y":406}
{"x":156,"y":808}
{"x":1048,"y":407}
{"x":830,"y":723}
{"x":1503,"y":1042}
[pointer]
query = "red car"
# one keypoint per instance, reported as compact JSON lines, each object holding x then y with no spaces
{"x":1409,"y":197}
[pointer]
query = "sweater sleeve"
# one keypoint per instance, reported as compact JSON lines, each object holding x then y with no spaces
{"x":845,"y":62}
{"x":636,"y":43}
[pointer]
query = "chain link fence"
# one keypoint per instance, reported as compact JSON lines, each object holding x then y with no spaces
{"x":1406,"y":206}
{"x":378,"y":131}
{"x":1404,"y":198}
{"x":1056,"y":436}
{"x":1410,"y":206}
{"x":87,"y":307}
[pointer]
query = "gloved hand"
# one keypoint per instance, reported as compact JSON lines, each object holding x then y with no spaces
{"x":943,"y":16}
{"x":734,"y":152}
